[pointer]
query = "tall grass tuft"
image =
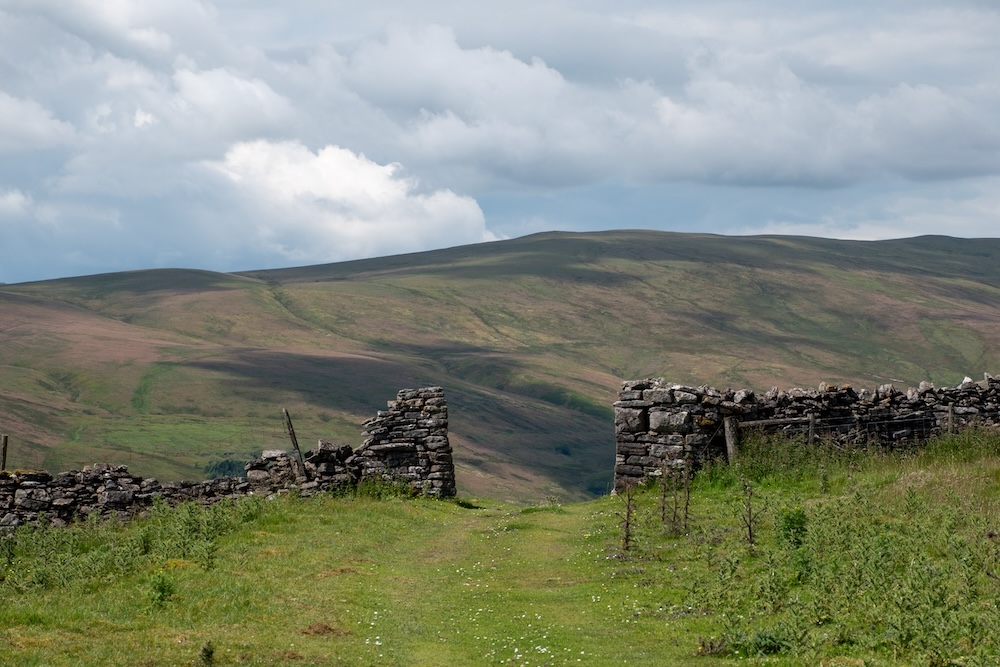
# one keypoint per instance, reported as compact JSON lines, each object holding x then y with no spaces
{"x":43,"y":557}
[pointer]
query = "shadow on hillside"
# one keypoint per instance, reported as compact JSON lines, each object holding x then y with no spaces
{"x":572,"y":443}
{"x":355,"y":384}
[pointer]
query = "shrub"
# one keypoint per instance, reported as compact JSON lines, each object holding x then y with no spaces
{"x":792,"y":525}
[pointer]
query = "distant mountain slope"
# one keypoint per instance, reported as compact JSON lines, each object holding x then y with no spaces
{"x":170,"y":370}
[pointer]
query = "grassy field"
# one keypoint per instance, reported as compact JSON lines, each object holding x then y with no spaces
{"x":856,"y":559}
{"x":170,"y":370}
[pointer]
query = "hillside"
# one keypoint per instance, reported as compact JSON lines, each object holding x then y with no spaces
{"x":171,"y":370}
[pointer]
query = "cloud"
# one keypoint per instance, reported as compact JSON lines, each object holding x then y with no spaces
{"x":151,"y":31}
{"x":214,"y":131}
{"x":973,"y":208}
{"x":336,"y":204}
{"x":27,"y":125}
{"x":923,"y":132}
{"x":229,"y":103}
{"x":734,"y":128}
{"x":747,"y":114}
{"x":14,"y":204}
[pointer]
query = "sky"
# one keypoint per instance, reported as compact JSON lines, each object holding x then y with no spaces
{"x":237,"y":135}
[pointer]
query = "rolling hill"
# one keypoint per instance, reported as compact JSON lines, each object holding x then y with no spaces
{"x":170,"y":371}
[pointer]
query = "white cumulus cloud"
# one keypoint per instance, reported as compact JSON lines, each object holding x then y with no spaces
{"x":336,"y":204}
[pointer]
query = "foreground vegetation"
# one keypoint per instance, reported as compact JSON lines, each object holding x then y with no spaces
{"x":794,"y":556}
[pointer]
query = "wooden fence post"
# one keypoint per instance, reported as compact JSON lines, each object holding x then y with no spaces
{"x":3,"y":456}
{"x":951,"y":419}
{"x":812,"y":429}
{"x":295,"y":442}
{"x":732,"y":428}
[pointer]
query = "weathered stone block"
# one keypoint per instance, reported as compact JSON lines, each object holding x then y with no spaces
{"x":636,"y":449}
{"x":658,"y":396}
{"x":664,"y":421}
{"x":632,"y":404}
{"x":667,"y":451}
{"x":401,"y":446}
{"x":31,"y":504}
{"x":115,"y":497}
{"x":632,"y":420}
{"x":685,"y":397}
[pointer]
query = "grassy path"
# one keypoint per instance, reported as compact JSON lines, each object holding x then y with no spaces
{"x":361,"y":582}
{"x":531,"y":586}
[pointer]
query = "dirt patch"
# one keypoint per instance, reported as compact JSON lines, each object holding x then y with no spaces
{"x":337,"y":571}
{"x":324,"y":629}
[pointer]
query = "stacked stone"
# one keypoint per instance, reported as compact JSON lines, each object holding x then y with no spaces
{"x":275,"y":469}
{"x":408,"y":442}
{"x":327,"y":466}
{"x":108,"y":491}
{"x":658,"y":423}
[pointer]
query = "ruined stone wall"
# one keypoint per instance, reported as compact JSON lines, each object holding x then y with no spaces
{"x":658,"y":423}
{"x":407,"y":443}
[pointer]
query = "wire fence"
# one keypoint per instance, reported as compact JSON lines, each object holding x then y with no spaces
{"x":880,"y":431}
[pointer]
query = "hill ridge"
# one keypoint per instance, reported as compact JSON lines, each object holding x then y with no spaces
{"x":531,"y":337}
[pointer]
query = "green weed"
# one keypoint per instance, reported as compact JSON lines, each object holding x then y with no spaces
{"x":900,"y":573}
{"x":161,"y":588}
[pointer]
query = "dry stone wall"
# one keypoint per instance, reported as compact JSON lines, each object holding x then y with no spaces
{"x":407,"y":443}
{"x":659,"y":424}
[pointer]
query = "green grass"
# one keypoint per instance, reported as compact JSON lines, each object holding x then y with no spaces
{"x":168,"y":447}
{"x":859,"y":559}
